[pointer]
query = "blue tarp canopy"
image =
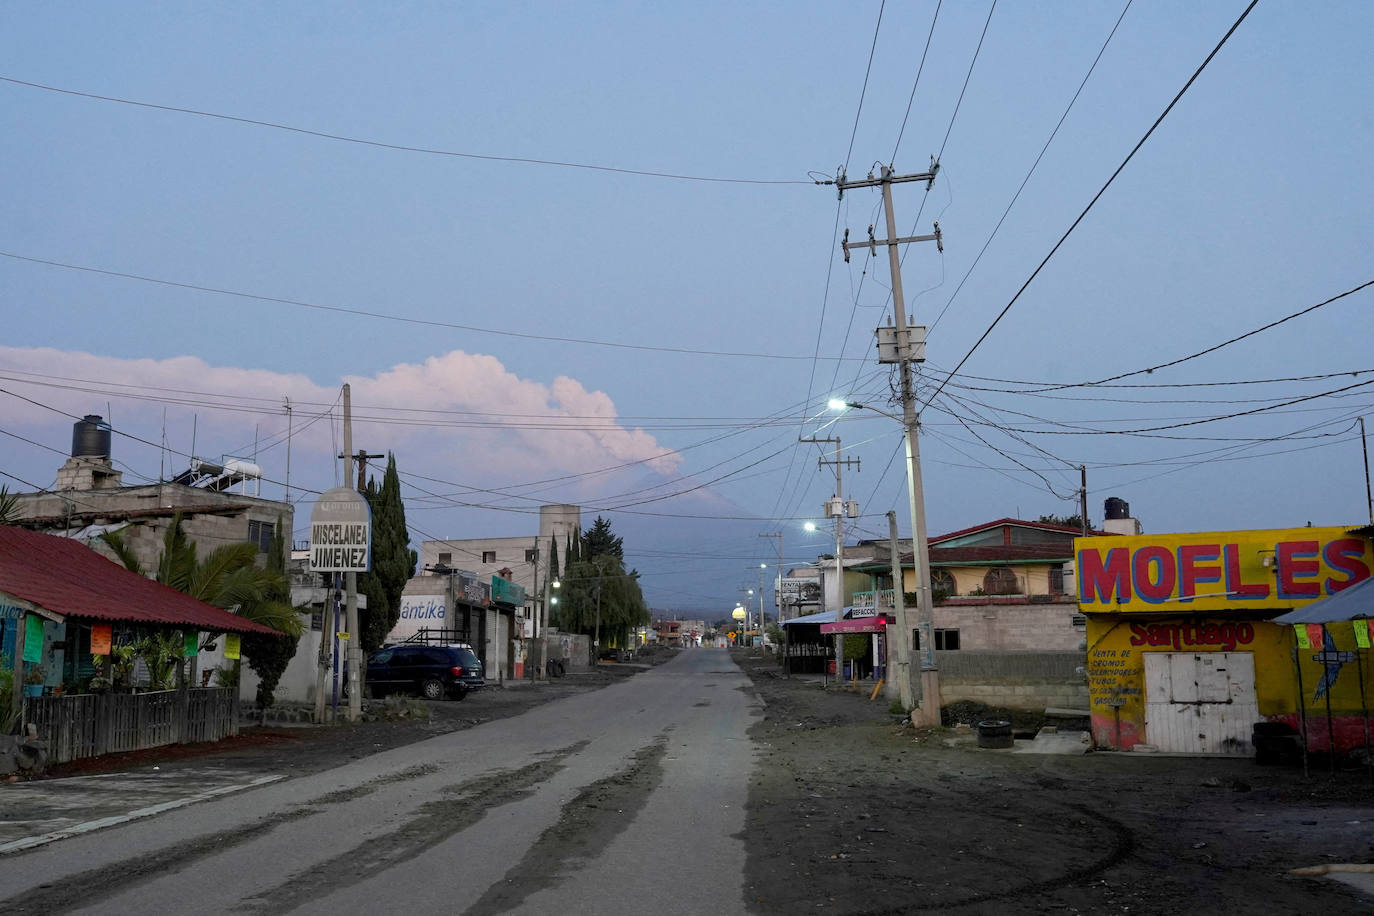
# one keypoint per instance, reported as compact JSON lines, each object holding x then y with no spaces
{"x":1347,"y":604}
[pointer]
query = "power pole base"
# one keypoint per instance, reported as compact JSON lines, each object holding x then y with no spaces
{"x":927,"y":715}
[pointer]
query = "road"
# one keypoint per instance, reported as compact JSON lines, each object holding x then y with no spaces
{"x":592,"y":803}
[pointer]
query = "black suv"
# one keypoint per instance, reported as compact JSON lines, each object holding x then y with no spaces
{"x":433,"y":672}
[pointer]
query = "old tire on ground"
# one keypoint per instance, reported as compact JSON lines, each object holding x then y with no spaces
{"x":432,"y":689}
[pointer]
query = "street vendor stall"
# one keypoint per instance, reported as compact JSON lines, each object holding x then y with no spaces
{"x":805,"y":650}
{"x":1319,"y":631}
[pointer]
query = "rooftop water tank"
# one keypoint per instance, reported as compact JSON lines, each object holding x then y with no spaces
{"x":1117,"y":508}
{"x":91,"y":437}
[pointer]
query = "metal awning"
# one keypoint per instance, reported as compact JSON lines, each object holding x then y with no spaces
{"x":1354,"y":601}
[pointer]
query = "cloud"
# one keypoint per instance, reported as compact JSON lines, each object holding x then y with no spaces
{"x":457,"y":416}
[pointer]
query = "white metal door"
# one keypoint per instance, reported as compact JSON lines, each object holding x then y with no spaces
{"x":1200,"y":702}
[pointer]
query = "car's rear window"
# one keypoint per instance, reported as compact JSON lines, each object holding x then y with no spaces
{"x":466,"y":657}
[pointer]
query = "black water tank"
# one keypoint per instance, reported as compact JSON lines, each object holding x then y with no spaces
{"x":1117,"y":508}
{"x":91,"y":437}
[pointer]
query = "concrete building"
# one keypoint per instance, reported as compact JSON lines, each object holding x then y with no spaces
{"x":90,"y":498}
{"x":526,"y":557}
{"x":454,"y":569}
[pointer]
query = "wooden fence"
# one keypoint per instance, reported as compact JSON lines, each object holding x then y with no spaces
{"x":91,"y":724}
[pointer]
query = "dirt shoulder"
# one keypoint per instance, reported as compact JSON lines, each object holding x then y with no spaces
{"x":299,"y":749}
{"x":854,"y":812}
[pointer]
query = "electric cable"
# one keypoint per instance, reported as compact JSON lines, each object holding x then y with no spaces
{"x":1034,"y":165}
{"x":382,"y":316}
{"x":1098,"y":195}
{"x":912,"y":98}
{"x":430,"y":151}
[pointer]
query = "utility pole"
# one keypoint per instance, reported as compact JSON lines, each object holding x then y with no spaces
{"x":287,"y":498}
{"x":362,"y":457}
{"x":1083,"y":498}
{"x":929,"y":713}
{"x":904,"y":686}
{"x":1369,"y":499}
{"x":838,"y":508}
{"x":353,"y":651}
{"x":777,"y":593}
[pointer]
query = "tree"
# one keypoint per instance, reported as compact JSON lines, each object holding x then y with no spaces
{"x":600,"y":540}
{"x":596,"y":577}
{"x":269,"y":655}
{"x":9,"y":507}
{"x":393,"y":562}
{"x":228,"y":578}
{"x":1064,"y":521}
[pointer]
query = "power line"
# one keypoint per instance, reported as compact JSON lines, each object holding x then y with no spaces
{"x":940,"y":155}
{"x":916,"y":82}
{"x":1230,"y":416}
{"x":1224,"y":343}
{"x":430,"y":151}
{"x":425,"y":322}
{"x":867,"y":70}
{"x":1098,"y":195}
{"x":1050,"y":386}
{"x":992,"y":235}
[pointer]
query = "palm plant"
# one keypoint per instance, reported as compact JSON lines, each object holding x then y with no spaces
{"x":228,"y":577}
{"x":9,"y":507}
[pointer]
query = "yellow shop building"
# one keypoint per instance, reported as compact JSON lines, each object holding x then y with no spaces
{"x":1184,"y":653}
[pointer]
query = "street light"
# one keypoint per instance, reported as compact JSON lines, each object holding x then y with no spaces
{"x":930,"y":677}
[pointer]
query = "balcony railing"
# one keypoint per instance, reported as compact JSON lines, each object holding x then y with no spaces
{"x":879,"y":598}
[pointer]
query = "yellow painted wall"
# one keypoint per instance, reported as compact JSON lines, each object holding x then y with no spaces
{"x":1118,"y":643}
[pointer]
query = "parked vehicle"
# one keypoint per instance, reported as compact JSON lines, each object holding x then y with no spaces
{"x":433,"y":672}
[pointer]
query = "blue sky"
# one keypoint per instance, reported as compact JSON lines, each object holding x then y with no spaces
{"x":1249,"y":203}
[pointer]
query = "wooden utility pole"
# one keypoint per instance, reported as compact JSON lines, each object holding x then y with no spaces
{"x":362,"y":458}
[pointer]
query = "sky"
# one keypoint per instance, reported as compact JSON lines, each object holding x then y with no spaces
{"x":571,"y":252}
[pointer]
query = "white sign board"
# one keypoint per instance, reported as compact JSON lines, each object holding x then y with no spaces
{"x":341,"y":532}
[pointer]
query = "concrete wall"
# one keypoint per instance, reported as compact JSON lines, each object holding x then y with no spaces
{"x":1016,"y":680}
{"x":211,"y":519}
{"x":297,"y":684}
{"x":1031,"y":680}
{"x":1011,"y":627}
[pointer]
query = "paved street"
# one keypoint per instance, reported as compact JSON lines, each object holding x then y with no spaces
{"x":565,"y":808}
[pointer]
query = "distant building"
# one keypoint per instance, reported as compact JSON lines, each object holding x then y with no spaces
{"x":488,"y":592}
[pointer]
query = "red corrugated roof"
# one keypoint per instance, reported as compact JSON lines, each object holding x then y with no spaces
{"x":69,"y":578}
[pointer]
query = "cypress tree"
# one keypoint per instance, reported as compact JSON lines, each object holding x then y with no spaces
{"x":393,"y":562}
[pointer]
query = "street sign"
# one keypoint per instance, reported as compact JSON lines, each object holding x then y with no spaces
{"x":341,"y":532}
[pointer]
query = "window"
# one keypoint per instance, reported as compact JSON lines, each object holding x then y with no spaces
{"x":1079,"y":621}
{"x":944,"y":639}
{"x":1000,"y":580}
{"x":530,"y":554}
{"x":941,"y":583}
{"x":1056,"y":580}
{"x":446,"y":559}
{"x":488,"y":556}
{"x":260,"y":533}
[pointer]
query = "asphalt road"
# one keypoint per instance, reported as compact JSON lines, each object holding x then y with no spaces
{"x":589,"y":804}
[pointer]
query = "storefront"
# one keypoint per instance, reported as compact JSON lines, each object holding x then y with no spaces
{"x":1184,"y":655}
